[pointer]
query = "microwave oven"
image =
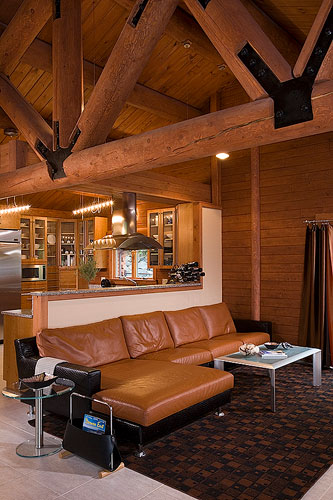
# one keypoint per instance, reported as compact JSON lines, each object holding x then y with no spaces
{"x":34,"y":272}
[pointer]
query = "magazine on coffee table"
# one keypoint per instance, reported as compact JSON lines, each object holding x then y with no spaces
{"x":272,"y":354}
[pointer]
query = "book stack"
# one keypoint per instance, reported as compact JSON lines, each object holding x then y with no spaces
{"x":272,"y":354}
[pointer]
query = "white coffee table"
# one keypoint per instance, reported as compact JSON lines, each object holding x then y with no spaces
{"x":294,"y":354}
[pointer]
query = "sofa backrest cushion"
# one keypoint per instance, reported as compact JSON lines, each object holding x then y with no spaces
{"x":90,"y":345}
{"x":145,"y":333}
{"x":217,"y":319}
{"x":186,"y":325}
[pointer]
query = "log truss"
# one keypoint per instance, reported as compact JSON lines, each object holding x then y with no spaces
{"x":73,"y":155}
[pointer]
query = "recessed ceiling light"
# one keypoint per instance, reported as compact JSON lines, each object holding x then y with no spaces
{"x":222,"y":156}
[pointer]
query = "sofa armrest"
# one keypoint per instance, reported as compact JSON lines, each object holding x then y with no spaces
{"x":87,"y":380}
{"x":251,"y":325}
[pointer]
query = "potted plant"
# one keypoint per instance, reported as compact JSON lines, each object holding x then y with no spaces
{"x":88,"y":269}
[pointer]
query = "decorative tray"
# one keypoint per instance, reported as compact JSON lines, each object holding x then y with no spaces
{"x":39,"y":381}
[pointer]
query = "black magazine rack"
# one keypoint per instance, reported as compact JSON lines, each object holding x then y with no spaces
{"x":101,"y":449}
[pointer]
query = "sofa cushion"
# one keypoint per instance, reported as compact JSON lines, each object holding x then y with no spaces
{"x":217,"y":319}
{"x":186,"y":325}
{"x":256,"y":338}
{"x":89,"y":345}
{"x":194,"y":356}
{"x":146,"y":333}
{"x":219,"y":346}
{"x":145,"y":392}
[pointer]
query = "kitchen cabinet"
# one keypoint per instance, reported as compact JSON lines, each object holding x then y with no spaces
{"x":88,"y":231}
{"x":67,"y":243}
{"x":33,"y":234}
{"x":31,"y":286}
{"x":161,"y":227}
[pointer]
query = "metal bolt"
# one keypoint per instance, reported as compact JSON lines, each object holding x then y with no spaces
{"x":318,"y":51}
{"x":279,"y":113}
{"x":262,"y":72}
{"x":253,"y":62}
{"x":310,"y":70}
{"x":244,"y":52}
{"x":328,"y":32}
{"x":305,"y":107}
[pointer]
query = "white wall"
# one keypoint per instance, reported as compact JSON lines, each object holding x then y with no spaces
{"x":81,"y":311}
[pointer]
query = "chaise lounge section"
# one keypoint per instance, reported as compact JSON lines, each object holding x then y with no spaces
{"x":154,"y":369}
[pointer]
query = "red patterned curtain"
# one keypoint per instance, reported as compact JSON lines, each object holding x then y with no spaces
{"x":316,"y":317}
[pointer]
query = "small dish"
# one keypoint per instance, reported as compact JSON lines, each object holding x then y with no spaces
{"x":272,"y":345}
{"x":39,"y":381}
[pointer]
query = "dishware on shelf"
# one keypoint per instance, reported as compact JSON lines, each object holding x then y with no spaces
{"x":51,"y":239}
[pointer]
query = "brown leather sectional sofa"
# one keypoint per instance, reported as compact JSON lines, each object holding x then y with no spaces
{"x":149,"y":363}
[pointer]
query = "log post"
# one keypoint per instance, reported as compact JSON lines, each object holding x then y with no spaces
{"x":255,"y":233}
{"x":67,"y":69}
{"x":122,"y":70}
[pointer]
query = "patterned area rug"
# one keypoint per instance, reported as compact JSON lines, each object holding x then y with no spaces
{"x":250,"y":453}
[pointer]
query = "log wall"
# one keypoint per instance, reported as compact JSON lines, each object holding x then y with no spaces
{"x":296,"y":183}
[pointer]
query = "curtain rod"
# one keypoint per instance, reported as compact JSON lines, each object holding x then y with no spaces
{"x":317,"y":220}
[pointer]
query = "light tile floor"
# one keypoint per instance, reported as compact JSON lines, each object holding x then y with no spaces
{"x":48,"y":478}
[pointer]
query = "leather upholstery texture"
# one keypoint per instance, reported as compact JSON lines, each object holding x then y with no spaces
{"x":90,"y":345}
{"x":145,"y":333}
{"x":217,"y":319}
{"x":186,"y":325}
{"x":193,"y":356}
{"x":219,"y":346}
{"x":255,"y":337}
{"x":148,"y":391}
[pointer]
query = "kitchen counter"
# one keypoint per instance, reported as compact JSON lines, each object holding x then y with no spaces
{"x":21,"y":313}
{"x":96,"y":289}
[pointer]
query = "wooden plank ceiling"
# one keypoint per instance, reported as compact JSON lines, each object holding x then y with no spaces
{"x":190,"y":75}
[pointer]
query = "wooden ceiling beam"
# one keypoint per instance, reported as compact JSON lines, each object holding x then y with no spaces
{"x":182,"y":27}
{"x":39,"y":55}
{"x":230,"y":26}
{"x":283,"y":41}
{"x":129,"y":56}
{"x":24,"y":116}
{"x":67,"y":62}
{"x":5,"y":121}
{"x":161,"y":185}
{"x":311,"y":40}
{"x":232,"y":129}
{"x":27,"y":22}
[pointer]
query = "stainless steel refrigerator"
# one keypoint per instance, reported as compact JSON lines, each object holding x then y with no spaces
{"x":10,"y":272}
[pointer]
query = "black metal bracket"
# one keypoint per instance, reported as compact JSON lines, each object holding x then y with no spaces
{"x":138,"y":14}
{"x":56,"y":9}
{"x":55,"y":159}
{"x":292,"y":99}
{"x":204,"y":3}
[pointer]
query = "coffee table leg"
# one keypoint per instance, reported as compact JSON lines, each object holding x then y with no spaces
{"x":316,"y":363}
{"x":272,"y":378}
{"x":218,"y":364}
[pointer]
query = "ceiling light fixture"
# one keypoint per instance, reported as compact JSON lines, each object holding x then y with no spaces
{"x":91,"y":208}
{"x":11,"y":210}
{"x":222,"y":156}
{"x":11,"y":132}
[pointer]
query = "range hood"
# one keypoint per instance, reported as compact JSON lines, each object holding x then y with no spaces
{"x":124,"y":231}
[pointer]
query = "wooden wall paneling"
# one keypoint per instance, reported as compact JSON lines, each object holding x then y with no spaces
{"x":255,"y":233}
{"x":15,"y":328}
